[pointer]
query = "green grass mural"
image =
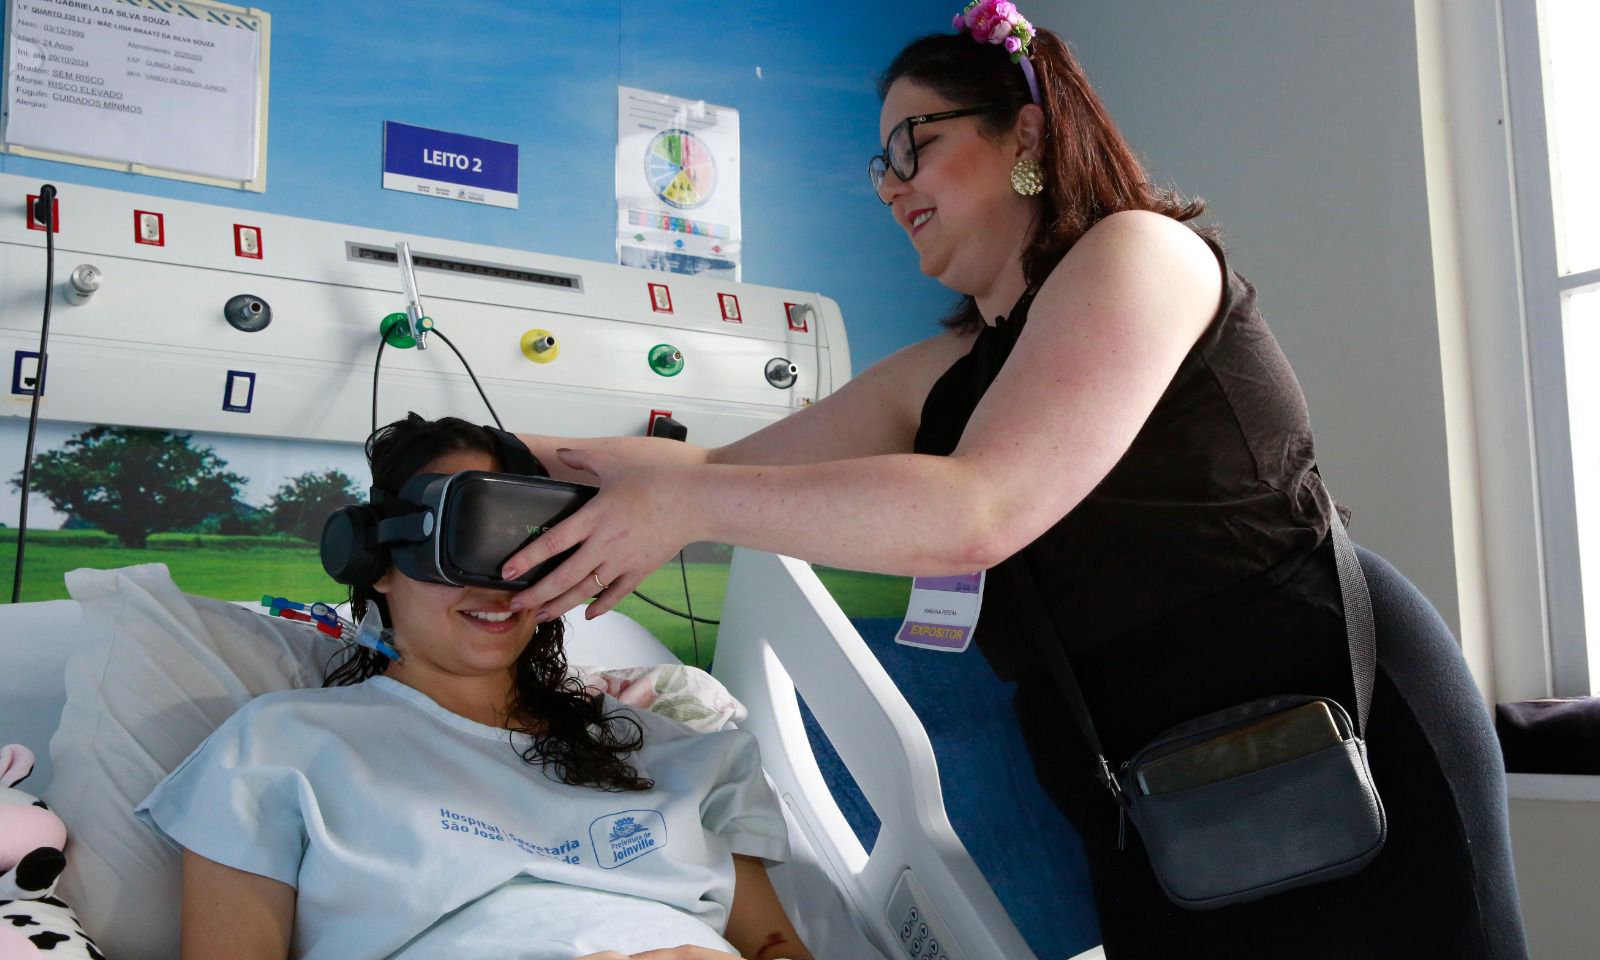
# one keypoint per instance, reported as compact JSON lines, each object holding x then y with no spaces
{"x":246,"y":567}
{"x":126,"y":496}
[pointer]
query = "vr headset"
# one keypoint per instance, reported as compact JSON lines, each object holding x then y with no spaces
{"x":458,"y":528}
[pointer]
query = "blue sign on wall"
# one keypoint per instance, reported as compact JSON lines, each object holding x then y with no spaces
{"x":454,"y":166}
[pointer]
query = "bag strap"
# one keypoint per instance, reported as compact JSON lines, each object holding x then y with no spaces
{"x":1358,"y":623}
{"x":1359,"y":632}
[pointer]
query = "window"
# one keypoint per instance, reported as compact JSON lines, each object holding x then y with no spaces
{"x":1554,"y":90}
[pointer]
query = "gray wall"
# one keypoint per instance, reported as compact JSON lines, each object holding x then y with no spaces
{"x":1300,"y":123}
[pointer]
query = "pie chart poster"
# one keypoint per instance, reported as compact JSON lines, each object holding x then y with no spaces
{"x":677,"y":184}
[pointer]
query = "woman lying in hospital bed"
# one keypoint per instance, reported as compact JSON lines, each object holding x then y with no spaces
{"x":466,"y":799}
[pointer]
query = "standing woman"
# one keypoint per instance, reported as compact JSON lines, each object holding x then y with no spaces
{"x":1107,"y":423}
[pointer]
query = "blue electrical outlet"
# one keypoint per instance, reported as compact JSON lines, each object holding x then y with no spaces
{"x":25,"y":380}
{"x":240,"y":391}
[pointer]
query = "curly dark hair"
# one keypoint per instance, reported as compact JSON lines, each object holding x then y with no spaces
{"x":1090,"y":170}
{"x":574,"y":740}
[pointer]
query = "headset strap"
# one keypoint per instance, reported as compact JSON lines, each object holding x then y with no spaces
{"x":388,"y":504}
{"x":515,"y":457}
{"x":407,"y":528}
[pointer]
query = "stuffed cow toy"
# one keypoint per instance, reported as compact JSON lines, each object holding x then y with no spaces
{"x":33,"y":923}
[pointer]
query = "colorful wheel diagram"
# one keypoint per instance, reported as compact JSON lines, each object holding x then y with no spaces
{"x":680,"y":168}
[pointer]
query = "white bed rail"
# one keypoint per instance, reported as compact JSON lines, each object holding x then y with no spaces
{"x":783,"y":632}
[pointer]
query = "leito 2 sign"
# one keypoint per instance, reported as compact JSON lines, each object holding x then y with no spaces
{"x":451,"y":166}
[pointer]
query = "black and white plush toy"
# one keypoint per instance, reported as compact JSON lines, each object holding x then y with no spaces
{"x":33,"y":923}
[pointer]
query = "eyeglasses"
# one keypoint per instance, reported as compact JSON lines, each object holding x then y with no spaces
{"x":900,"y":151}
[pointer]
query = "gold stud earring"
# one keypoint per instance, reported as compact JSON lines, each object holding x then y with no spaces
{"x":1027,"y":177}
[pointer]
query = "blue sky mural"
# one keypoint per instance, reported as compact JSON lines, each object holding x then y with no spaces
{"x":546,"y":78}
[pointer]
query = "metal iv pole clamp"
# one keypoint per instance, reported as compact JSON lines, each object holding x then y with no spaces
{"x":418,"y":323}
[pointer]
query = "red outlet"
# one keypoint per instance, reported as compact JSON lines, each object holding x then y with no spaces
{"x":660,"y":298}
{"x":796,"y":312}
{"x":55,"y":214}
{"x":246,"y":241}
{"x":149,"y":227}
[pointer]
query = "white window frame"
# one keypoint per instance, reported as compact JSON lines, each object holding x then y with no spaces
{"x":1542,"y":290}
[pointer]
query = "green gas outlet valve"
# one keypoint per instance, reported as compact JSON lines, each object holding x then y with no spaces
{"x":394,"y":330}
{"x":666,"y":360}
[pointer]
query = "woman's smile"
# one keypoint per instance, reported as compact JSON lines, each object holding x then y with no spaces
{"x":492,"y":621}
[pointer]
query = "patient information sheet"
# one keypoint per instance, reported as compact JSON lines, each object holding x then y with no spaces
{"x":174,"y":87}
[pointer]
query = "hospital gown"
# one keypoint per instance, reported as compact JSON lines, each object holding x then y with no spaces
{"x":409,"y":831}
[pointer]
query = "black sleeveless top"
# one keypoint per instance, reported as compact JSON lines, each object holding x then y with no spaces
{"x":1218,"y":486}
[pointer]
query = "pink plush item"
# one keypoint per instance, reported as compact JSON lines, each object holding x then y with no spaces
{"x":32,"y":841}
{"x":25,"y":826}
{"x":16,"y":762}
{"x":14,"y":946}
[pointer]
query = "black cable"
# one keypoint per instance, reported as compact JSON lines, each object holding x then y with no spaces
{"x":677,"y":613}
{"x":44,"y":212}
{"x":693,"y":632}
{"x":377,"y":364}
{"x":474,"y":377}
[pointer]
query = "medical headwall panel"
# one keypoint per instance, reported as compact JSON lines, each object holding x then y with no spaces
{"x":152,"y":345}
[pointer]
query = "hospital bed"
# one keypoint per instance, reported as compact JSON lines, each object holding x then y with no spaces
{"x":782,"y":635}
{"x":307,"y":376}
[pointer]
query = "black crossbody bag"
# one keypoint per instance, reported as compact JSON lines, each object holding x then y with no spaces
{"x":1256,"y":799}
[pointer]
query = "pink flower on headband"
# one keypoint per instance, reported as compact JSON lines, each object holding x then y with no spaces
{"x":997,"y":22}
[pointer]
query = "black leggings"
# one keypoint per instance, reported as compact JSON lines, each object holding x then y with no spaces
{"x":1442,"y":886}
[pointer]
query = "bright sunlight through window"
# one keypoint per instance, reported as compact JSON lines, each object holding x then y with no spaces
{"x":1571,"y":31}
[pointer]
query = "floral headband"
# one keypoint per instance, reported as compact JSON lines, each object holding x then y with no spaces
{"x":998,"y":22}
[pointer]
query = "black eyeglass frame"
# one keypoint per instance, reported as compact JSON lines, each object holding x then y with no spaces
{"x":880,"y":163}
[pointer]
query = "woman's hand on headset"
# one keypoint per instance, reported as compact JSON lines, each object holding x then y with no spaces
{"x":630,"y":528}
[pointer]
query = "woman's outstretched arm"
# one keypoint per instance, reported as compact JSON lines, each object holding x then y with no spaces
{"x":634,"y":449}
{"x":874,"y":413}
{"x":1106,"y":333}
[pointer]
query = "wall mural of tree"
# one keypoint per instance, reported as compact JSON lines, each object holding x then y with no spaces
{"x":133,"y":482}
{"x":304,"y":503}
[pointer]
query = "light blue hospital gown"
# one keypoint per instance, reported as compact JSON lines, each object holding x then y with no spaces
{"x":409,"y":831}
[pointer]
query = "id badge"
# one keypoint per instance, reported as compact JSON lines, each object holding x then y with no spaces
{"x":943,"y":612}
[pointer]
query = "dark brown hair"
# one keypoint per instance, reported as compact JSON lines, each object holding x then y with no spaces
{"x":573,"y":738}
{"x":1090,"y":172}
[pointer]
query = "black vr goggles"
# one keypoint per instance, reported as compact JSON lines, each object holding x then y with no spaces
{"x":458,"y":528}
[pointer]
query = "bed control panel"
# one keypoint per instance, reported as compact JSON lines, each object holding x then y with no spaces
{"x":923,"y":936}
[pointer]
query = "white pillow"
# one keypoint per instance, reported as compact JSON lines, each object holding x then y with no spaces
{"x":157,"y":671}
{"x":679,"y":692}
